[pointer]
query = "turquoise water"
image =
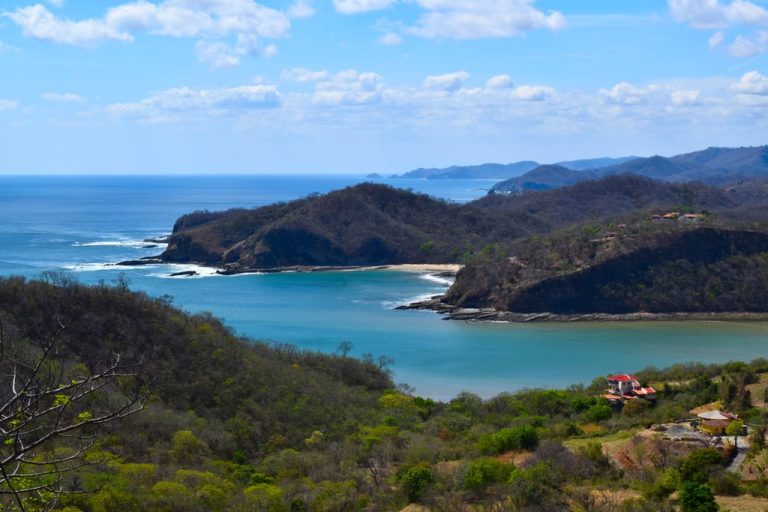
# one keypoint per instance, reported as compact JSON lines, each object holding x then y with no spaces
{"x":80,"y":224}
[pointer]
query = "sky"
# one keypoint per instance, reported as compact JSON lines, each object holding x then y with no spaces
{"x":359,"y":86}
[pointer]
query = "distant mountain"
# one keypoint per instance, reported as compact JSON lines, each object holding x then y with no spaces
{"x":712,"y":166}
{"x":544,"y":177}
{"x":482,"y":171}
{"x":504,"y":171}
{"x":594,"y":163}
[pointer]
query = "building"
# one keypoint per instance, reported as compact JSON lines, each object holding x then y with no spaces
{"x":715,"y":422}
{"x":623,"y":387}
{"x":691,"y":217}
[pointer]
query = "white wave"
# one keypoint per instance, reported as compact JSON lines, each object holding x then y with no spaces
{"x":437,"y":279}
{"x":174,"y":268}
{"x":135,"y":244}
{"x":90,"y":267}
{"x":392,"y":304}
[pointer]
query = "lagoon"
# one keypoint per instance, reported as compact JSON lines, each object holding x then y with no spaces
{"x":81,"y":224}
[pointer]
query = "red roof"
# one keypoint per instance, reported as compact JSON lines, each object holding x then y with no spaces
{"x":622,"y":377}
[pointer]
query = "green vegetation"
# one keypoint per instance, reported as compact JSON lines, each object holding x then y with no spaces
{"x":237,"y":425}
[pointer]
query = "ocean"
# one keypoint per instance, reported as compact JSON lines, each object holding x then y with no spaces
{"x":82,"y":225}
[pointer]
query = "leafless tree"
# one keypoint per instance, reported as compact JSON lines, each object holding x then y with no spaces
{"x":52,"y":410}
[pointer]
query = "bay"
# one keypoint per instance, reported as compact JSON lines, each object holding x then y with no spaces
{"x":81,"y":224}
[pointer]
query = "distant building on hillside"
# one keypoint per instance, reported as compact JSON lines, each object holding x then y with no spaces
{"x":623,"y":387}
{"x":715,"y":422}
{"x":691,"y":217}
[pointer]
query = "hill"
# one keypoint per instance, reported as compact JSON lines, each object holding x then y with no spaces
{"x":713,"y":166}
{"x":482,"y":171}
{"x":505,"y":171}
{"x":373,"y":224}
{"x":642,"y":266}
{"x":235,"y":425}
{"x":363,"y":225}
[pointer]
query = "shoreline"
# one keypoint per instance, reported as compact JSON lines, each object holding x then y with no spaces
{"x":451,"y":312}
{"x":442,"y":269}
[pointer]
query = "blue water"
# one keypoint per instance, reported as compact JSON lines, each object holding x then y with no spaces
{"x":81,"y":224}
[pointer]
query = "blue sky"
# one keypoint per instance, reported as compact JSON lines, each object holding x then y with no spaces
{"x":303,"y":86}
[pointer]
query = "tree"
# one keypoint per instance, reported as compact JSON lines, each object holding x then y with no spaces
{"x":52,"y":409}
{"x":416,"y":480}
{"x":735,"y":429}
{"x":697,"y":497}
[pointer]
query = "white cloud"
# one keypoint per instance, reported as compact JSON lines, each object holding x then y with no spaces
{"x":360,"y":6}
{"x":707,"y":14}
{"x":8,"y":104}
{"x":301,"y":9}
{"x":716,"y":40}
{"x":66,"y":97}
{"x":450,"y":82}
{"x":218,"y":55}
{"x":751,"y":83}
{"x":211,"y":20}
{"x":348,"y":88}
{"x":685,"y":98}
{"x":390,"y":39}
{"x":533,"y":92}
{"x":174,"y":104}
{"x":480,"y":19}
{"x":38,"y":22}
{"x":303,"y":75}
{"x":499,"y":82}
{"x":623,"y":93}
{"x":744,"y":46}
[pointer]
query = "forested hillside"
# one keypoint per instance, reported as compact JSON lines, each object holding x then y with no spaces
{"x":376,"y":225}
{"x":228,"y":424}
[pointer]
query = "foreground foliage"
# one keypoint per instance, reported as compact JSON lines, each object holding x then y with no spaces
{"x":237,"y":425}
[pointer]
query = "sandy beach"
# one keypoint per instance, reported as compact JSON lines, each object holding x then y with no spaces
{"x":424,"y":267}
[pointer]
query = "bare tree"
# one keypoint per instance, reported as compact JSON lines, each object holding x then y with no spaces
{"x":52,"y":410}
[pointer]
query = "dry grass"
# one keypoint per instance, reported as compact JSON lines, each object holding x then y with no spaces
{"x":742,"y":503}
{"x":757,"y":390}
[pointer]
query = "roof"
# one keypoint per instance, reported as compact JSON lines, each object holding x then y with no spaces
{"x":716,"y":415}
{"x":622,"y":377}
{"x":644,"y":391}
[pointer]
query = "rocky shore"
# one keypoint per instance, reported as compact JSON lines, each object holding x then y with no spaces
{"x":452,"y":312}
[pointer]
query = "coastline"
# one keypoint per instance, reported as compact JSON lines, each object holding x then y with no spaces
{"x":441,"y":269}
{"x":451,"y":312}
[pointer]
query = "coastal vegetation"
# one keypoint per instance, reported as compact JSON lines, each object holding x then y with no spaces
{"x":235,"y":424}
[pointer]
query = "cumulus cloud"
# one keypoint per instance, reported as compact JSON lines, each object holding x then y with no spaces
{"x":685,"y":98}
{"x":8,"y":104}
{"x":450,"y":82}
{"x":708,"y":14}
{"x":480,"y":19}
{"x":359,"y":6}
{"x":499,"y":82}
{"x":623,"y":93}
{"x":66,"y":97}
{"x":174,"y":104}
{"x":210,"y":20}
{"x":533,"y":92}
{"x":38,"y":22}
{"x":303,"y":75}
{"x":753,"y":83}
{"x":744,"y":46}
{"x":348,"y":87}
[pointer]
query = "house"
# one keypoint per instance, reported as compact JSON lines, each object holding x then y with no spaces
{"x":715,"y":422}
{"x":671,"y":216}
{"x":623,"y":387}
{"x":691,"y":217}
